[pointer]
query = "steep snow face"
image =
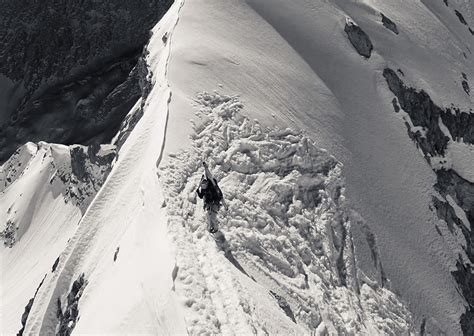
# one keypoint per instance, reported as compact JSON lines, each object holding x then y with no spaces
{"x":312,"y":241}
{"x":115,"y":274}
{"x":44,"y":189}
{"x":292,"y":64}
{"x":286,"y":235}
{"x":283,"y":263}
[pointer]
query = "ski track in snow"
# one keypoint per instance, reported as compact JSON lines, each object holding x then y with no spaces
{"x":287,"y":227}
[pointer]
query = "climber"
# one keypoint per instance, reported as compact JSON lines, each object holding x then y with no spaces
{"x":210,"y":192}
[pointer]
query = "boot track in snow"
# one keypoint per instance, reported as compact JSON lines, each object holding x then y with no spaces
{"x":286,"y":229}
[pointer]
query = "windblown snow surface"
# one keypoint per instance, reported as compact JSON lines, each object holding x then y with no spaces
{"x":340,"y":240}
{"x":286,"y":233}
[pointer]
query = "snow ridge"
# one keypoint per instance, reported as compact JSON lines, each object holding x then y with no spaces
{"x":125,"y":202}
{"x":287,"y":229}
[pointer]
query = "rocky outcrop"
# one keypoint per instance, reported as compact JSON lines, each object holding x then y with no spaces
{"x":465,"y":84}
{"x":55,"y":265}
{"x":389,"y":24}
{"x":460,"y":17}
{"x":8,"y":234}
{"x":460,"y":124}
{"x":359,"y":39}
{"x":70,"y":71}
{"x":89,"y":168}
{"x":425,"y":114}
{"x":284,"y":305}
{"x":135,"y":115}
{"x":24,"y":316}
{"x":462,"y":192}
{"x":463,"y":21}
{"x":69,"y":316}
{"x":450,"y":185}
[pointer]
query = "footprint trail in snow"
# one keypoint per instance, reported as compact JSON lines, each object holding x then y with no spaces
{"x":287,"y":230}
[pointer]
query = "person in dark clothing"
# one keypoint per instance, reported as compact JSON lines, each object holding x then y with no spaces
{"x":211,"y":194}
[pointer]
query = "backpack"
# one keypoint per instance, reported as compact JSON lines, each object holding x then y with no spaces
{"x":212,"y":194}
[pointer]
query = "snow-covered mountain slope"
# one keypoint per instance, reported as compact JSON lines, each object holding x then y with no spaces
{"x":292,"y":64}
{"x":44,"y":189}
{"x":370,"y":235}
{"x":287,"y":233}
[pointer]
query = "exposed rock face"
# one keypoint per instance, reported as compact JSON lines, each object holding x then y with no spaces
{"x":425,"y":114}
{"x":460,"y":17}
{"x":69,"y":316}
{"x":462,"y":191}
{"x":284,"y":305}
{"x":90,"y":166}
{"x":70,"y":72}
{"x":8,"y":234}
{"x":389,"y":24}
{"x":465,"y":86}
{"x":56,"y":262}
{"x":396,"y":107}
{"x":24,"y":316}
{"x":359,"y":39}
{"x":77,"y":171}
{"x":450,"y":185}
{"x":460,"y":124}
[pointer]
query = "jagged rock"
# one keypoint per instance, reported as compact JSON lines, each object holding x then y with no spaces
{"x":464,"y":276}
{"x":465,"y":86}
{"x":460,"y":17}
{"x":359,"y":39}
{"x":55,"y":265}
{"x":389,"y":24}
{"x":446,"y":3}
{"x":462,"y":191}
{"x":24,"y":316}
{"x":134,"y":116}
{"x":116,"y":253}
{"x":460,"y":124}
{"x":8,"y":234}
{"x":68,"y":317}
{"x":445,"y":211}
{"x":284,"y":305}
{"x":423,"y":112}
{"x":396,"y":107}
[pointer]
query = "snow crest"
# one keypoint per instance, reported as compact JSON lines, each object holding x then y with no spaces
{"x":287,"y":231}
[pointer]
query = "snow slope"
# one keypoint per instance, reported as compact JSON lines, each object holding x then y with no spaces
{"x":276,"y":274}
{"x":287,"y":233}
{"x":124,"y":220}
{"x":334,"y":241}
{"x":43,"y":198}
{"x":292,"y":64}
{"x":41,"y":231}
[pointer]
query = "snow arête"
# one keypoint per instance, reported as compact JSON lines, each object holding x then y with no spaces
{"x":211,"y":194}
